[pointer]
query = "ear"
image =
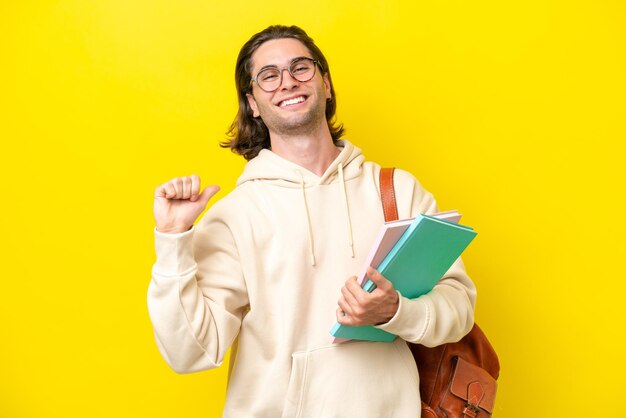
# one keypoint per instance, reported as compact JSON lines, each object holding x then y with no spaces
{"x":327,"y":86}
{"x":253,"y":106}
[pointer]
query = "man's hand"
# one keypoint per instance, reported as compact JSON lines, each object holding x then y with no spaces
{"x":178,"y":203}
{"x":363,"y":308}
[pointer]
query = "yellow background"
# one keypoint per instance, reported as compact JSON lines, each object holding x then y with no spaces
{"x":511,"y":112}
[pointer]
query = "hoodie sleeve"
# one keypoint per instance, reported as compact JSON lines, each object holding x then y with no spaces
{"x":197,"y":296}
{"x":446,"y":313}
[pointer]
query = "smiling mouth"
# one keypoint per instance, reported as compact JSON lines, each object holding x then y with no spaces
{"x":293,"y":101}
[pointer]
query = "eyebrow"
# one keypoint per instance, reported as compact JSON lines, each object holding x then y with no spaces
{"x":296,"y":59}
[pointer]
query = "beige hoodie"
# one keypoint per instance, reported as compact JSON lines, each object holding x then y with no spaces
{"x":263,"y":271}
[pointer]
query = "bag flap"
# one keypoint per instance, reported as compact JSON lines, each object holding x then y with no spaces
{"x":474,"y":385}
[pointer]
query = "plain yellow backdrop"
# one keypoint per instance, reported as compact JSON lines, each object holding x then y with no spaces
{"x":511,"y":112}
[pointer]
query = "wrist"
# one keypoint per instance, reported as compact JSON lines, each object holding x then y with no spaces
{"x":393,"y":311}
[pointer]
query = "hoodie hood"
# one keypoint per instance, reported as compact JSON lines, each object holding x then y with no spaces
{"x":270,"y":167}
{"x":277,"y":171}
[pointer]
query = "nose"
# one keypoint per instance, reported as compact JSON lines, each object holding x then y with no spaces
{"x":286,"y":80}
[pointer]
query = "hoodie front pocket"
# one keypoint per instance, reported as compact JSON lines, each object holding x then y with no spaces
{"x":354,"y":379}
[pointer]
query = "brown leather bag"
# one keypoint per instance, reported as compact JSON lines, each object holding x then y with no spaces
{"x":457,"y":380}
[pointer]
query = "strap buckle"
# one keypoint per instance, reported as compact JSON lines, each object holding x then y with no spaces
{"x":470,"y":410}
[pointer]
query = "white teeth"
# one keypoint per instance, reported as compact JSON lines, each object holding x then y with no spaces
{"x":295,"y":100}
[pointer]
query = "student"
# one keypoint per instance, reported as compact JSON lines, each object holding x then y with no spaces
{"x":271,"y":266}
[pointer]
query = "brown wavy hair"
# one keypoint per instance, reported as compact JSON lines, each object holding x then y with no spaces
{"x":248,"y":135}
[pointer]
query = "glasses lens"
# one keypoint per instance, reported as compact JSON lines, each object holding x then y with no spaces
{"x":302,"y":69}
{"x":269,"y":79}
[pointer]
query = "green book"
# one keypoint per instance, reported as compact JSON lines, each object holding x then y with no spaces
{"x":415,"y":264}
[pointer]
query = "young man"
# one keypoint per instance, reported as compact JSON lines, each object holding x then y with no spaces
{"x":271,"y":266}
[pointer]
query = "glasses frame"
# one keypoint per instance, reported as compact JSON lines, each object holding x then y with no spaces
{"x":281,"y":70}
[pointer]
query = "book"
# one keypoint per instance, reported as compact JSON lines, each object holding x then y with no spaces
{"x":449,"y":215}
{"x":416,"y":262}
{"x":389,"y":234}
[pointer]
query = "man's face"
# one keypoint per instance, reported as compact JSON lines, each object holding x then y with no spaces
{"x":295,"y":107}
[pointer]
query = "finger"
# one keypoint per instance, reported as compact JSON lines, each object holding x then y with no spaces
{"x":170,"y":190}
{"x":357,"y":291}
{"x":195,"y":187}
{"x":344,"y":306}
{"x":160,"y":191}
{"x":342,"y":318}
{"x":208,"y":193}
{"x":177,"y":184}
{"x":186,"y":187}
{"x":167,"y":190}
{"x":378,"y":279}
{"x":353,"y":285}
{"x":339,"y":314}
{"x":348,"y":292}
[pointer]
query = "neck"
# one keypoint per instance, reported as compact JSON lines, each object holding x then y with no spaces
{"x":314,"y":151}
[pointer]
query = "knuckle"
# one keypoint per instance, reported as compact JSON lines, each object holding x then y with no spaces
{"x":174,"y":184}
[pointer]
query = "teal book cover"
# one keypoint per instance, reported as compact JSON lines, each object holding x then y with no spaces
{"x":414,"y":265}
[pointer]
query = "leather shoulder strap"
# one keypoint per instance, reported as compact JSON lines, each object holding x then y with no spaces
{"x":388,"y":194}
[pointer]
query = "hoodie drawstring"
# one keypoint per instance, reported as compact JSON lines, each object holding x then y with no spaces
{"x":308,"y":220}
{"x":309,"y":228}
{"x":345,"y":201}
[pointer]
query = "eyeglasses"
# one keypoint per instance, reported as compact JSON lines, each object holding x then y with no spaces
{"x":271,"y":77}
